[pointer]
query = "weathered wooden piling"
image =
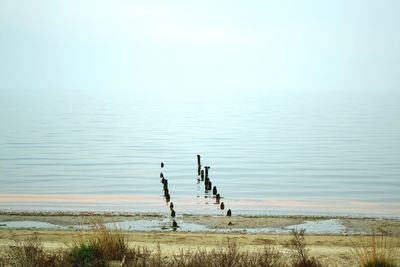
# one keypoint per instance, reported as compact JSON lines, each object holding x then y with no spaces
{"x":198,"y":161}
{"x":172,"y":213}
{"x":217,"y":198}
{"x":215,"y":190}
{"x":208,"y":185}
{"x":202,"y":175}
{"x":171,"y":206}
{"x":222,"y":206}
{"x":162,"y":164}
{"x":165,"y":184}
{"x":161,"y":175}
{"x":229,"y":213}
{"x":207,"y":168}
{"x":174,"y":224}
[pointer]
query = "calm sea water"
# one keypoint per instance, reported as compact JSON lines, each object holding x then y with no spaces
{"x":269,"y":152}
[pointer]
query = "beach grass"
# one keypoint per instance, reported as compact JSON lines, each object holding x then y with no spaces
{"x":376,"y":251}
{"x":101,"y":245}
{"x":299,"y":252}
{"x":30,"y":252}
{"x":106,"y":247}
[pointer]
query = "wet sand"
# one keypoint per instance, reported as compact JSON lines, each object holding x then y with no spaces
{"x":205,"y":223}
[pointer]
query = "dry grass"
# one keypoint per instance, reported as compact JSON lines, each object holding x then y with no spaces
{"x":376,"y":251}
{"x":300,"y":253}
{"x":101,"y":247}
{"x":97,"y":252}
{"x":227,"y":255}
{"x":30,"y":253}
{"x":110,"y":242}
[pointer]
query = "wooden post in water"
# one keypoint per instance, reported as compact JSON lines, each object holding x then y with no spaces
{"x":198,"y":165}
{"x":198,"y":161}
{"x":222,"y":206}
{"x":215,"y":190}
{"x":208,"y":185}
{"x":165,"y":184}
{"x":207,"y":167}
{"x":202,"y":175}
{"x":229,"y":213}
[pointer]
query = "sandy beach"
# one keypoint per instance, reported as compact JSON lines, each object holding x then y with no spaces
{"x":334,"y":249}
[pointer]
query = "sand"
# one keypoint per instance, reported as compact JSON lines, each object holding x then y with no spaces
{"x":333,"y":249}
{"x":356,"y":225}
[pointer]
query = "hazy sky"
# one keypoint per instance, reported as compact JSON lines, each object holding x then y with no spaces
{"x":199,"y":46}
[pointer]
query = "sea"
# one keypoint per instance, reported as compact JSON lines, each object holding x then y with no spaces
{"x":270,"y":152}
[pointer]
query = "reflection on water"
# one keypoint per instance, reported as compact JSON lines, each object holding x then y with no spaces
{"x":96,"y":152}
{"x":331,"y":226}
{"x":29,"y":224}
{"x":156,"y":225}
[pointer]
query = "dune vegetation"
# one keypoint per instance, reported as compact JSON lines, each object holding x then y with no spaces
{"x":108,"y":247}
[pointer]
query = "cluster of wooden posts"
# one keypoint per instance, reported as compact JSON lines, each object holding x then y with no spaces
{"x":203,"y":175}
{"x":167,"y":196}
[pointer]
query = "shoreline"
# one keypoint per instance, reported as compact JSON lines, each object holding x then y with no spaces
{"x":185,"y":214}
{"x":196,"y":204}
{"x":153,"y":222}
{"x":333,"y":249}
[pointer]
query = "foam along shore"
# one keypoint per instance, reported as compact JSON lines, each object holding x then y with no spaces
{"x":322,"y":225}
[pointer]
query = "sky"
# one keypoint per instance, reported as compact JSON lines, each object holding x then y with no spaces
{"x":198,"y":47}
